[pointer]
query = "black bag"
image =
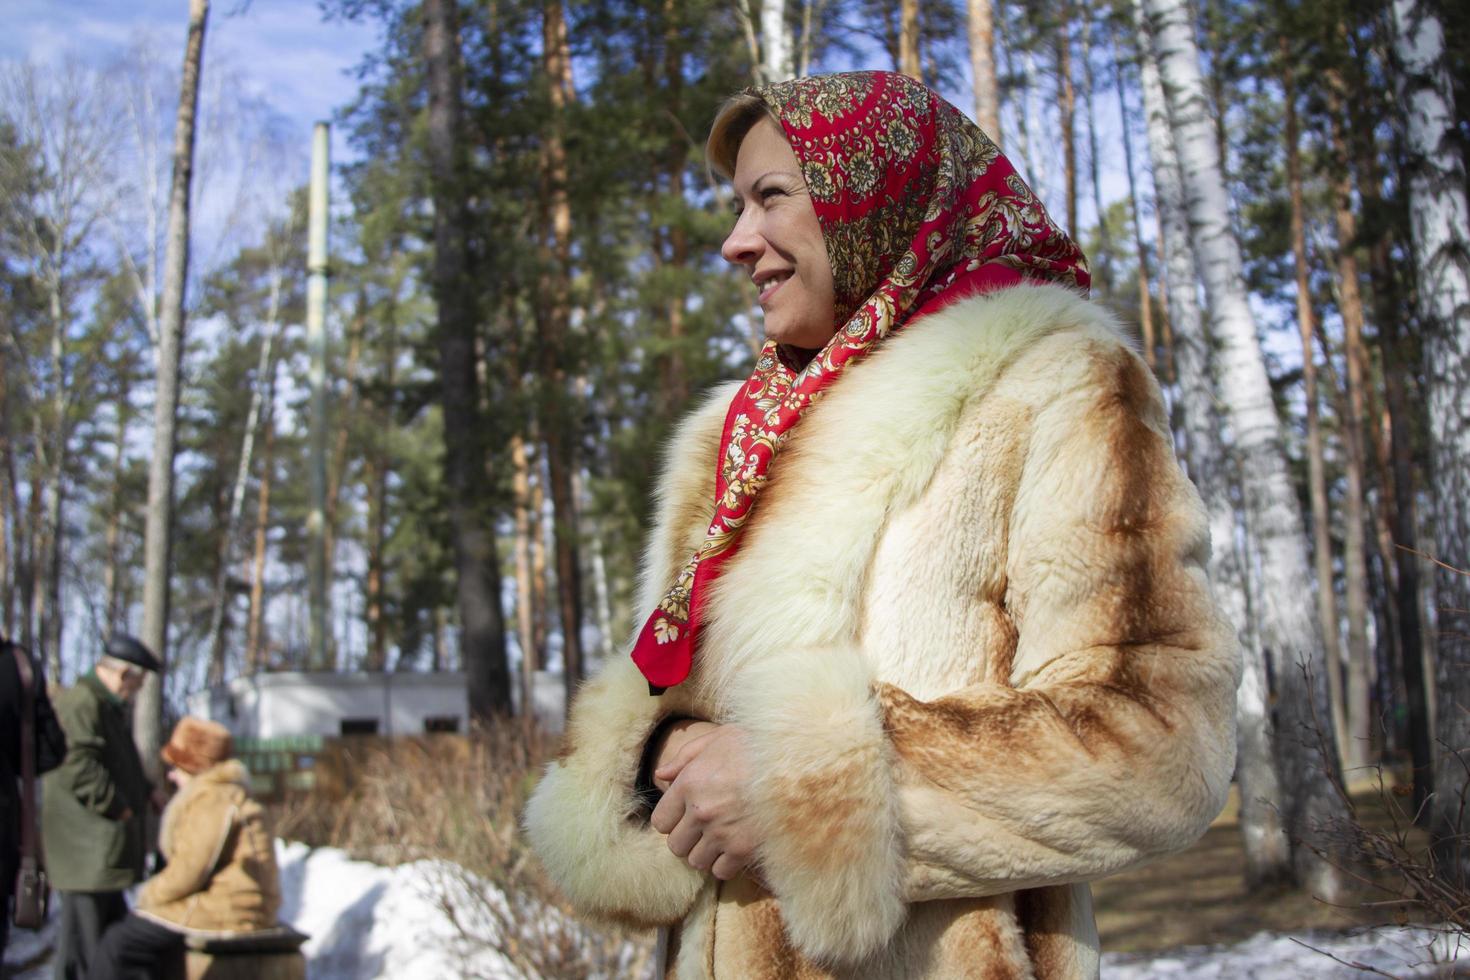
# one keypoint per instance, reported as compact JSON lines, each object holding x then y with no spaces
{"x":32,"y":891}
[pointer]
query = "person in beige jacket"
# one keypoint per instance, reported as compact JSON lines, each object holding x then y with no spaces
{"x":220,"y":878}
{"x":945,"y":650}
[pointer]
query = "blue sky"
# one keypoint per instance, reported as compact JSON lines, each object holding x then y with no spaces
{"x":300,"y":63}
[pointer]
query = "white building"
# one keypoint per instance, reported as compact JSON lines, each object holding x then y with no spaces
{"x":325,"y":703}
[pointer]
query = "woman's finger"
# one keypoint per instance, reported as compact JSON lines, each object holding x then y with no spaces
{"x":727,"y":867}
{"x":683,"y":837}
{"x":670,"y":810}
{"x":704,"y":854}
{"x":687,"y":753}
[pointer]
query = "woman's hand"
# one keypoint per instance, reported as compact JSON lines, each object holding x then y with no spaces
{"x":704,"y":812}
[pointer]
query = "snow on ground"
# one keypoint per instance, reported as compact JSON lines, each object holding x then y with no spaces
{"x":426,"y":919}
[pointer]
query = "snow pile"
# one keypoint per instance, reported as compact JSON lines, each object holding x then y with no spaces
{"x":370,"y":921}
{"x":431,"y":919}
{"x":1396,"y":951}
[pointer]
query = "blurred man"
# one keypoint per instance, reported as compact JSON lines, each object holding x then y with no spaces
{"x":94,"y":805}
{"x":49,"y":746}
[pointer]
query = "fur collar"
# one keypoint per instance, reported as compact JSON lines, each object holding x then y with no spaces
{"x":863,"y":454}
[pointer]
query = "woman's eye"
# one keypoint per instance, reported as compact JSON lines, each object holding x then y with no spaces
{"x":770,"y":192}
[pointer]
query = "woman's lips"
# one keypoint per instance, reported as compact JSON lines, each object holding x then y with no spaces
{"x":772,"y":284}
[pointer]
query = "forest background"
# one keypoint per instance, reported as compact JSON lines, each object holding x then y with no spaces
{"x":525,"y":293}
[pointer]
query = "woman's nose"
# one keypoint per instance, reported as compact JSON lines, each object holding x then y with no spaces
{"x":743,"y":245}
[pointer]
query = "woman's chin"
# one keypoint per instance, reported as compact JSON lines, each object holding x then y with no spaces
{"x":802,"y":336}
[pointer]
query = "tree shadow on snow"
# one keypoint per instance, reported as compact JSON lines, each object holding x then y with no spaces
{"x":339,"y":953}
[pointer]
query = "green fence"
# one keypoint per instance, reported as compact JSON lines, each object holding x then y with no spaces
{"x":280,"y":765}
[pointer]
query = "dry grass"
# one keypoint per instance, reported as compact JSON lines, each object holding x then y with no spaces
{"x":1199,"y":896}
{"x":459,"y":800}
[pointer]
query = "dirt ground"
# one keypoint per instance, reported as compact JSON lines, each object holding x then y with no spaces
{"x":1199,"y":896}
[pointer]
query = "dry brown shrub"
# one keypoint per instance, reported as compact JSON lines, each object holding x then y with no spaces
{"x":458,"y":799}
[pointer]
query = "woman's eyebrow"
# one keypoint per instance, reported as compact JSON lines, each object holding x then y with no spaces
{"x":769,"y":173}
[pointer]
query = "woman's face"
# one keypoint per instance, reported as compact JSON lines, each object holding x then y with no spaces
{"x":779,"y":241}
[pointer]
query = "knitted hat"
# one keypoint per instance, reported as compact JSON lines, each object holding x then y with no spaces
{"x":197,"y":744}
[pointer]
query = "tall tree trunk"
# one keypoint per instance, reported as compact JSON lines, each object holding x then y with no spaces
{"x":555,"y":315}
{"x":1391,"y":311}
{"x":318,"y":275}
{"x":1145,"y":299}
{"x":1316,"y":473}
{"x":158,"y":529}
{"x":1267,"y":849}
{"x":1104,"y":243}
{"x":908,"y":39}
{"x":1037,"y":163}
{"x":777,"y":47}
{"x":1356,"y":710}
{"x":254,"y":633}
{"x":34,"y":594}
{"x":541,"y":535}
{"x":982,"y":68}
{"x":477,"y":571}
{"x":1288,"y":632}
{"x":1406,"y":557}
{"x":526,"y":612}
{"x":1067,"y":112}
{"x":264,"y":376}
{"x":378,"y":466}
{"x":113,"y":578}
{"x":376,"y":472}
{"x":337,"y":460}
{"x":55,"y":532}
{"x":1439,"y":222}
{"x":676,"y":381}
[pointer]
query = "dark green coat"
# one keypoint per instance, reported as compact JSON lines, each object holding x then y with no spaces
{"x":89,"y":848}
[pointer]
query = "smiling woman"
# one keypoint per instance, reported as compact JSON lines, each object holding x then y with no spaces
{"x":930,"y":645}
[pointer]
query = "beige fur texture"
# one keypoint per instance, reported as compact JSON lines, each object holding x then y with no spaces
{"x":969,"y":637}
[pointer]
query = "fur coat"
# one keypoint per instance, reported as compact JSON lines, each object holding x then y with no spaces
{"x":971,"y":642}
{"x":221,"y":874}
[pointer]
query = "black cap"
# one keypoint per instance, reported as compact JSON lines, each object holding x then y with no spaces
{"x":121,"y":646}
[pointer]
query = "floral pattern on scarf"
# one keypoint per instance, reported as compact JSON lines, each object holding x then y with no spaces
{"x":918,"y":208}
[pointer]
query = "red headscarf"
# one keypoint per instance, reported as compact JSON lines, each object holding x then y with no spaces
{"x":918,"y":208}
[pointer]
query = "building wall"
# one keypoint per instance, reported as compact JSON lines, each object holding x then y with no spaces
{"x":290,"y":704}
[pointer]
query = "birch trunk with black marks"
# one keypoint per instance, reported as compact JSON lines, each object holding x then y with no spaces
{"x":1267,"y":847}
{"x":1439,"y":223}
{"x":777,"y":48}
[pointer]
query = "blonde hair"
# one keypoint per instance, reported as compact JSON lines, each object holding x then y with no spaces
{"x":736,"y":117}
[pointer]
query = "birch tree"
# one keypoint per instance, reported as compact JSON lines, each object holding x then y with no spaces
{"x":1287,"y":630}
{"x":168,"y":352}
{"x":1440,"y":227}
{"x":1267,"y":850}
{"x":58,"y":194}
